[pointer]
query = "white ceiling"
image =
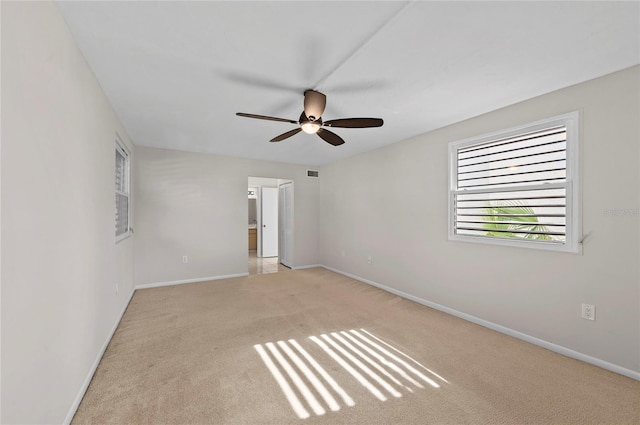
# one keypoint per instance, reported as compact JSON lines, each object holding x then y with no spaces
{"x":177,"y":72}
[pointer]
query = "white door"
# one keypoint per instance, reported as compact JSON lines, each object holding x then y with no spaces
{"x":286,"y":224}
{"x":269,"y":222}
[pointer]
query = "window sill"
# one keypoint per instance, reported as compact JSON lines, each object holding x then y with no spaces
{"x":540,"y":246}
{"x":123,"y":237}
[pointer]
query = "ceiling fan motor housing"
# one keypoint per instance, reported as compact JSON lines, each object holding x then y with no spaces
{"x":314,"y":104}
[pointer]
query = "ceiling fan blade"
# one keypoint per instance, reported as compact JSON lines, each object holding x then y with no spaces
{"x":314,"y":103}
{"x":330,"y":137}
{"x":355,"y":122}
{"x":264,"y":117}
{"x":286,"y":135}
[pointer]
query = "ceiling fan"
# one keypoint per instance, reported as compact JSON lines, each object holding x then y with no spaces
{"x":310,"y":120}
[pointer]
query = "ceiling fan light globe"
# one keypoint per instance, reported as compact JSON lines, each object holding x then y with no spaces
{"x":310,"y":127}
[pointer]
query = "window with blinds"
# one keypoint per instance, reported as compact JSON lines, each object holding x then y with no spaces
{"x":517,"y":187}
{"x":122,"y":192}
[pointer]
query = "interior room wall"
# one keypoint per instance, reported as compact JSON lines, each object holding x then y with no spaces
{"x":60,"y":262}
{"x":196,"y":205}
{"x":391,"y":204}
{"x":59,"y":256}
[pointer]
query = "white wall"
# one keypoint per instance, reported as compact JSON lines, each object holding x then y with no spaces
{"x":391,"y":204}
{"x":59,"y":256}
{"x":60,"y":263}
{"x":196,"y":205}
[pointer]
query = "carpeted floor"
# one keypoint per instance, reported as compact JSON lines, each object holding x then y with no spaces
{"x":315,"y":347}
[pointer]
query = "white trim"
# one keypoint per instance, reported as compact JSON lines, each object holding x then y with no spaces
{"x":124,"y":236}
{"x":124,"y":151}
{"x":286,"y":243}
{"x":572,"y":244}
{"x":515,"y":131}
{"x":499,"y":328}
{"x":198,"y":279}
{"x":308,"y":266}
{"x":92,"y":371}
{"x":574,"y":190}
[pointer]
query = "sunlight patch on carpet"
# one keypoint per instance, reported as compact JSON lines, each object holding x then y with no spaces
{"x":290,"y":358}
{"x":358,"y":376}
{"x":426,"y":379}
{"x":284,"y":385}
{"x":380,"y":368}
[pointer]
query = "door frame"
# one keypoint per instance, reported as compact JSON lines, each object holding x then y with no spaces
{"x":258,"y":183}
{"x":285,"y":236}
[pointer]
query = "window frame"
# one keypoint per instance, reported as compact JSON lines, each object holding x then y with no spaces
{"x":573,"y":229}
{"x":124,"y":151}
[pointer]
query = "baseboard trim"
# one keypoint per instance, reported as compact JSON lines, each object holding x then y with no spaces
{"x":309,"y":266}
{"x":199,"y":279}
{"x":499,"y":328}
{"x":92,"y":371}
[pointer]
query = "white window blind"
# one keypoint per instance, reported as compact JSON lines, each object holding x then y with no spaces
{"x":517,"y":186}
{"x":122,"y":192}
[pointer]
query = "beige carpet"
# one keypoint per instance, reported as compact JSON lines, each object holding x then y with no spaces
{"x":208,"y":353}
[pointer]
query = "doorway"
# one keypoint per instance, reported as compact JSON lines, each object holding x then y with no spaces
{"x":270,"y":224}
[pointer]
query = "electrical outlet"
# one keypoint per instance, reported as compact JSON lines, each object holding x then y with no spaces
{"x":117,"y":290}
{"x":589,"y":311}
{"x":369,"y":260}
{"x":185,"y":259}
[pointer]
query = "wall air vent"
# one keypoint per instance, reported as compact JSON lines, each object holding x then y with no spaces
{"x":313,"y":173}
